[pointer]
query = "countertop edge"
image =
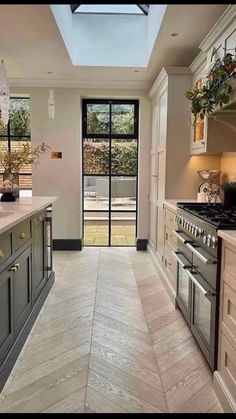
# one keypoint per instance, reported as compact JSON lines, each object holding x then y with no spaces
{"x":172,"y":203}
{"x":24,"y":215}
{"x":228,"y":235}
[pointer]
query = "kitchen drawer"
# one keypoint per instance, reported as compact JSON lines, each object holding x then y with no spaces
{"x":20,"y":235}
{"x":229,"y":308}
{"x":170,"y":219}
{"x":5,"y":247}
{"x":229,"y":264}
{"x":170,"y":238}
{"x":228,"y":365}
{"x":170,"y":264}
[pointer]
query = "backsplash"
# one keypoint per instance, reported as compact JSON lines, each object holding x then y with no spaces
{"x":228,"y":167}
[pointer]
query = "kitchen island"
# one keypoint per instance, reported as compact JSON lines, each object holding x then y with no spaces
{"x":26,"y":273}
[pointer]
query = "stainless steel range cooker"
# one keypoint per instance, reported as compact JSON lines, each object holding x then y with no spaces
{"x":198,"y":274}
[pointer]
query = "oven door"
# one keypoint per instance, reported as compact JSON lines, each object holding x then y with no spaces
{"x":203,"y":315}
{"x":183,"y":294}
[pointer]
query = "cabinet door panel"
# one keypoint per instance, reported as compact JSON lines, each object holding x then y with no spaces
{"x":6,"y":312}
{"x":22,"y":288}
{"x":39,"y":255}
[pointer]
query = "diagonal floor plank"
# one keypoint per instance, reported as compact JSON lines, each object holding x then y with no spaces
{"x":108,"y":340}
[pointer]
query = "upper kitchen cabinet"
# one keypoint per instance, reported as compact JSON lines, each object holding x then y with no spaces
{"x":215,"y":134}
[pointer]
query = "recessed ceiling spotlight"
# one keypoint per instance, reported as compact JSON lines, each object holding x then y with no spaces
{"x":174,"y":34}
{"x":49,"y":72}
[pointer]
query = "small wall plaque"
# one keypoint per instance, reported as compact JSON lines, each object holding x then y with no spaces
{"x":56,"y":155}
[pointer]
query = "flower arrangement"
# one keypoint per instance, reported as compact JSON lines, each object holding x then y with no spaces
{"x":215,"y":90}
{"x":12,"y":161}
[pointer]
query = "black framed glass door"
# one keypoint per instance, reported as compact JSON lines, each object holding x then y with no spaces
{"x":110,"y":171}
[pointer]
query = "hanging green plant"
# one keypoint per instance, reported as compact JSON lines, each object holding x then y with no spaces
{"x":216,"y":90}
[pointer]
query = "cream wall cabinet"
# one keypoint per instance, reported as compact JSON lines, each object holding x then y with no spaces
{"x":215,"y":134}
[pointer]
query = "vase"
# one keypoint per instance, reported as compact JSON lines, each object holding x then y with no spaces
{"x":228,"y":198}
{"x":14,"y":178}
{"x":7,"y":197}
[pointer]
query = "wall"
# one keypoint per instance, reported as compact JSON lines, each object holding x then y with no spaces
{"x":228,"y":167}
{"x":62,"y":177}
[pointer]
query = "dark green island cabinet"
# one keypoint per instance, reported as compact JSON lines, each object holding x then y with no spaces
{"x":26,"y":277}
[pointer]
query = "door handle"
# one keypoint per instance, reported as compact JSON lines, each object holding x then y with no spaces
{"x":176,"y":233}
{"x":195,"y":281}
{"x":179,"y":260}
{"x":198,"y":254}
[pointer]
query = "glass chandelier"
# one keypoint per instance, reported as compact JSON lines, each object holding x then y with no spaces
{"x":4,"y":95}
{"x":51,"y":104}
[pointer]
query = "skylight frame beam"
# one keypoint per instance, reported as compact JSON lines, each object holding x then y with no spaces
{"x":144,"y":8}
{"x":74,"y":7}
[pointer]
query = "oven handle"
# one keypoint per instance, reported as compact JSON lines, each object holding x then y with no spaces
{"x":175,"y":253}
{"x":195,"y":281}
{"x":176,"y":233}
{"x":197,"y":253}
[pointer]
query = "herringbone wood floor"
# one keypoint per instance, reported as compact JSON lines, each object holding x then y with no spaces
{"x":108,"y":339}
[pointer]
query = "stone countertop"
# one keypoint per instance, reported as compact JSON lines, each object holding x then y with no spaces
{"x":172,"y":203}
{"x":22,"y":209}
{"x":228,"y":235}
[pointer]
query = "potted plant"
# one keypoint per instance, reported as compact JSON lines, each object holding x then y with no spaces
{"x":228,"y":198}
{"x":12,"y":162}
{"x":215,"y":90}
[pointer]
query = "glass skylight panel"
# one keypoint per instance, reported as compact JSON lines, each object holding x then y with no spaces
{"x":109,"y":8}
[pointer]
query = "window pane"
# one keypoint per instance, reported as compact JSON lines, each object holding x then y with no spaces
{"x":3,"y":147}
{"x":17,"y":145}
{"x":19,"y":116}
{"x":97,"y":119}
{"x":96,"y":228}
{"x":122,"y":119}
{"x":124,"y":157}
{"x":3,"y":129}
{"x":96,"y":156}
{"x":96,"y":193}
{"x":123,"y":228}
{"x":123,"y":193}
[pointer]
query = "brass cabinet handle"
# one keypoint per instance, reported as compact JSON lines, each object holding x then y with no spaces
{"x":40,"y":218}
{"x":17,"y":265}
{"x":13,"y":269}
{"x":1,"y":254}
{"x":23,"y":236}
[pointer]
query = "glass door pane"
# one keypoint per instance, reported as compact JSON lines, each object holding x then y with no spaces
{"x":183,"y":286}
{"x":122,"y":119}
{"x":98,"y":118}
{"x":96,"y":229}
{"x":123,"y":228}
{"x":124,"y":157}
{"x":123,"y":193}
{"x":96,"y":193}
{"x":95,"y":156}
{"x":202,"y":314}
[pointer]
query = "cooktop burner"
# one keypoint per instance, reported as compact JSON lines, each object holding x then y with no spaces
{"x":215,"y":214}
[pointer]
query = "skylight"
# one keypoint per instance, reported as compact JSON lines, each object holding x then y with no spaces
{"x":135,"y":9}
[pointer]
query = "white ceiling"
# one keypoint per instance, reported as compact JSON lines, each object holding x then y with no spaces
{"x":31,"y":46}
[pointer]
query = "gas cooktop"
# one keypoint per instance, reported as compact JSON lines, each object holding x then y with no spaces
{"x":215,"y":214}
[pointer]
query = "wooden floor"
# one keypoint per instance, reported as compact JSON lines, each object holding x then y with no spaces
{"x":108,"y":339}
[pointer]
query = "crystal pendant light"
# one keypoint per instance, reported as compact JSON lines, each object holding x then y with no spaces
{"x":4,"y":95}
{"x":51,"y":104}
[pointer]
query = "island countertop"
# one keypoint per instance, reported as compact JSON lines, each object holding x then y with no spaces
{"x":12,"y":213}
{"x":228,"y":235}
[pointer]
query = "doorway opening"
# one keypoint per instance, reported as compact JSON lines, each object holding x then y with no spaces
{"x":110,"y":171}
